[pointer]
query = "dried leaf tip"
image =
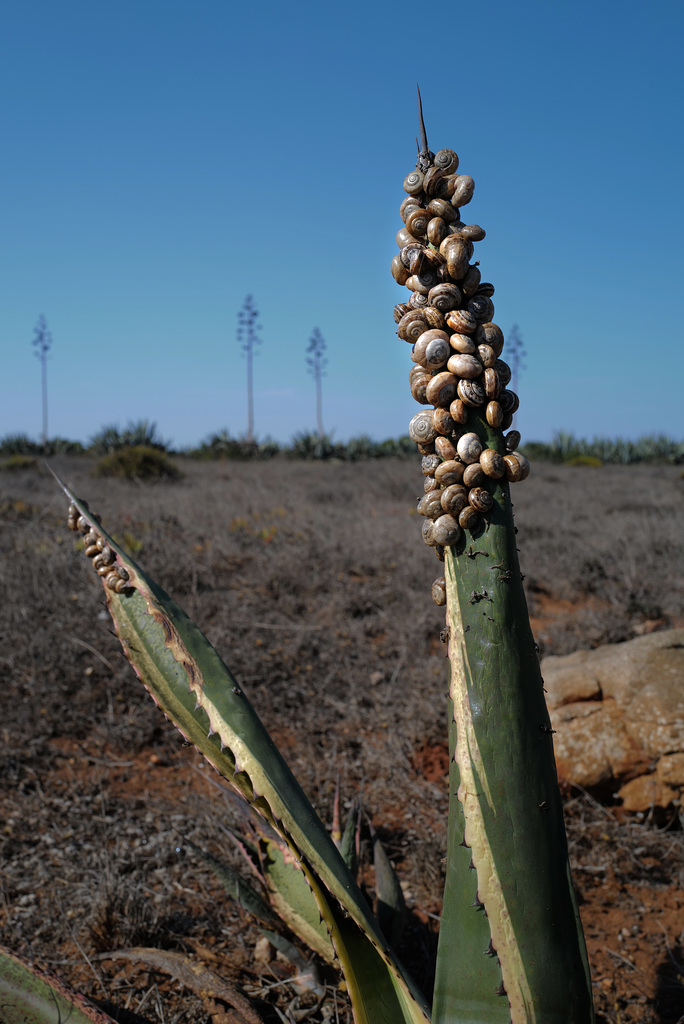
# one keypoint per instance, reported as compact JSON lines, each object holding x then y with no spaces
{"x":425,"y":157}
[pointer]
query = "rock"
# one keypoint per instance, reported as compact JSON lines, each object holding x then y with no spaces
{"x":618,"y":713}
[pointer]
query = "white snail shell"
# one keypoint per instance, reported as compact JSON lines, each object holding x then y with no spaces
{"x":445,"y":530}
{"x":413,"y":182}
{"x":465,"y":366}
{"x":421,"y":428}
{"x":430,"y":464}
{"x":429,"y":483}
{"x":469,"y":448}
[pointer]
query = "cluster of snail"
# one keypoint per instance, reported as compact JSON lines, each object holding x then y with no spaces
{"x":104,"y":559}
{"x":456,"y":349}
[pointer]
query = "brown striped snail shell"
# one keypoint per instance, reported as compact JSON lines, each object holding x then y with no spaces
{"x":399,"y":271}
{"x":422,"y":282}
{"x":446,"y":160}
{"x":504,"y":371}
{"x":430,"y":505}
{"x":443,"y":208}
{"x":486,"y":355}
{"x":432,"y":179}
{"x":470,"y":282}
{"x":438,"y":591}
{"x":494,"y":414}
{"x":463,"y":343}
{"x":430,"y":464}
{"x":480,"y":499}
{"x":429,"y":483}
{"x":512,"y":440}
{"x":471,"y":393}
{"x":469,"y":519}
{"x":491,"y":383}
{"x":454,"y":498}
{"x":486,"y":288}
{"x":400,"y":310}
{"x":457,"y":261}
{"x":418,"y":300}
{"x":482,"y":308}
{"x":412,"y":325}
{"x":473,"y":475}
{"x":408,"y":204}
{"x":433,"y":315}
{"x":445,"y":530}
{"x":404,"y":237}
{"x":421,"y":428}
{"x":443,"y":422}
{"x":515,"y":468}
{"x":417,"y":221}
{"x":463,"y":191}
{"x":492,"y":463}
{"x":428,"y":534}
{"x":469,"y":448}
{"x":441,"y":390}
{"x":445,"y":297}
{"x":413,"y":257}
{"x":445,"y":448}
{"x":449,"y":472}
{"x":509,"y":401}
{"x":465,"y":366}
{"x":436,"y":230}
{"x":445,"y":187}
{"x":490,"y":334}
{"x":459,"y":411}
{"x":413,"y":182}
{"x":417,"y":372}
{"x":462,"y":321}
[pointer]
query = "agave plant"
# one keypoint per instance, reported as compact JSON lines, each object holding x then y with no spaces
{"x":510,"y":946}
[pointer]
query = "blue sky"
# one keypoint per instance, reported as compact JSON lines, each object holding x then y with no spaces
{"x":163,"y":160}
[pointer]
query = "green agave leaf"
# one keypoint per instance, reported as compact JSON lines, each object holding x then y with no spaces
{"x":391,"y":908}
{"x":236,"y":886}
{"x":195,"y":689}
{"x":30,"y":996}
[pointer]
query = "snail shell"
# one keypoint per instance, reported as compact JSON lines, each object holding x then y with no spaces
{"x":103,"y":569}
{"x":90,"y":538}
{"x":400,"y":310}
{"x":472,"y":232}
{"x":413,"y":257}
{"x":441,"y":390}
{"x":450,"y":472}
{"x":445,"y":530}
{"x":427,"y":448}
{"x":463,"y":343}
{"x":509,"y":401}
{"x":430,"y":505}
{"x":462,"y":321}
{"x":490,"y":334}
{"x":408,"y":204}
{"x":432,"y":348}
{"x":438,"y":591}
{"x":430,"y":464}
{"x":491,"y":383}
{"x":416,"y":372}
{"x":469,"y":519}
{"x":413,"y":183}
{"x":469,"y":448}
{"x":439,"y":551}
{"x":463,"y":190}
{"x":412,"y":325}
{"x":473,"y":475}
{"x":445,"y":448}
{"x":482,"y":308}
{"x":486,"y":288}
{"x":446,"y":160}
{"x":492,"y":463}
{"x":445,"y":187}
{"x":443,"y":422}
{"x":101,"y":543}
{"x":454,"y":498}
{"x":399,"y":271}
{"x":436,"y":230}
{"x":92,"y":550}
{"x":471,"y":393}
{"x":459,"y":411}
{"x":422,"y":282}
{"x":427,"y":534}
{"x":417,"y":221}
{"x":480,"y":499}
{"x":494,"y":414}
{"x":418,"y":300}
{"x":522,"y":462}
{"x":486,"y":355}
{"x":471,"y":281}
{"x":465,"y":365}
{"x":504,"y":371}
{"x":512,"y":440}
{"x":445,"y":297}
{"x":514,"y":467}
{"x":421,"y":428}
{"x":457,"y":261}
{"x":83,"y":525}
{"x":433,"y":315}
{"x":404,"y":237}
{"x":429,"y":482}
{"x":432,"y":179}
{"x":442,"y":208}
{"x":455,"y":242}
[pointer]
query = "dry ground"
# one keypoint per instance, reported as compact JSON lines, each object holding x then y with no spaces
{"x":312,"y":582}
